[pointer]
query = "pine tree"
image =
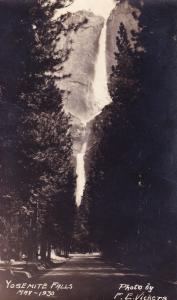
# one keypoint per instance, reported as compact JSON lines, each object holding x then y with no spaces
{"x":110,"y":169}
{"x":123,"y":84}
{"x":12,"y":56}
{"x":131,"y":185}
{"x":47,"y":132}
{"x":41,"y":167}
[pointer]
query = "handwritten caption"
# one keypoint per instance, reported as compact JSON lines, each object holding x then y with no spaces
{"x":37,"y":289}
{"x":137,"y":292}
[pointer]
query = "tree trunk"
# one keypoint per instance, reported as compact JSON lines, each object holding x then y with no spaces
{"x":43,"y":250}
{"x":49,"y":252}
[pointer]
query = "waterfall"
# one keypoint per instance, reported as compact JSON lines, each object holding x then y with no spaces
{"x":101,"y":98}
{"x":100,"y":88}
{"x":80,"y":171}
{"x":101,"y":95}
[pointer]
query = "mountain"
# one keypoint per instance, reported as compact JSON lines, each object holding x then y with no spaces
{"x":127,"y":14}
{"x":83,"y":42}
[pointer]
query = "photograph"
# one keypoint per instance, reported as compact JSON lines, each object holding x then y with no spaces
{"x":88,"y":149}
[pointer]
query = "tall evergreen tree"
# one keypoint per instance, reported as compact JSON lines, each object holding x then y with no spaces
{"x":106,"y":186}
{"x":44,"y":181}
{"x":131,"y":184}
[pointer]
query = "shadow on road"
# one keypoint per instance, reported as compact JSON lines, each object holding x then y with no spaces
{"x":88,"y":277}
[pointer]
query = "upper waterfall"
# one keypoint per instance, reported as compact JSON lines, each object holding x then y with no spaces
{"x":100,"y":88}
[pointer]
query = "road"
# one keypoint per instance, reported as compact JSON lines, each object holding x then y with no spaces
{"x":88,"y":277}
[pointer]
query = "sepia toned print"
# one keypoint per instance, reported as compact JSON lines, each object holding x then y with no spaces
{"x":88,"y":168}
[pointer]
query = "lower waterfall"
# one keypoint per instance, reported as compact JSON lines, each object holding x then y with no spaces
{"x":80,"y":171}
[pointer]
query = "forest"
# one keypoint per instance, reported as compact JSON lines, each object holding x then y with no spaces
{"x":37,"y":174}
{"x":128,"y":209}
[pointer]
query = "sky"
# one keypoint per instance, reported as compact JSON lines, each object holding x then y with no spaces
{"x":98,"y":7}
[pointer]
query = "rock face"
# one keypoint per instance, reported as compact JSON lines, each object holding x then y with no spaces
{"x":124,"y":12}
{"x":83,"y":43}
{"x":79,"y":134}
{"x":80,"y":64}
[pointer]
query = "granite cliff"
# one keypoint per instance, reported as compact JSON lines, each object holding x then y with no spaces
{"x":83,"y":43}
{"x":127,"y":14}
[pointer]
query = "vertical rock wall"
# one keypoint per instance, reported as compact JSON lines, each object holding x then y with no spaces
{"x":83,"y":42}
{"x":124,"y":12}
